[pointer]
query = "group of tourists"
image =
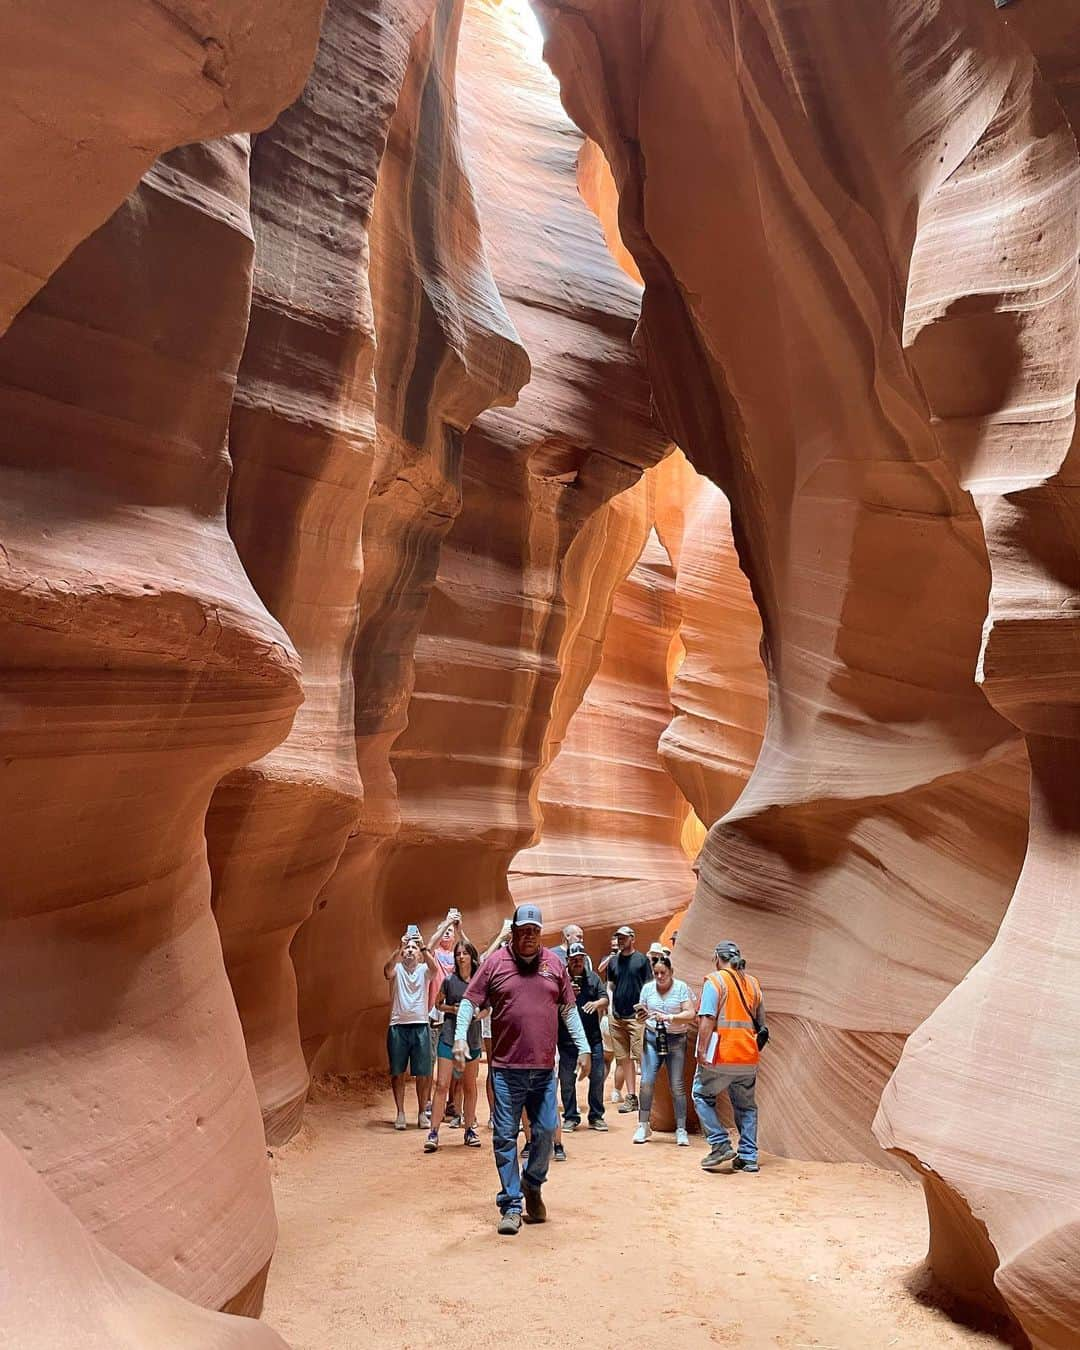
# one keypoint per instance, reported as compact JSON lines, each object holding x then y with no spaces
{"x":521,"y":1005}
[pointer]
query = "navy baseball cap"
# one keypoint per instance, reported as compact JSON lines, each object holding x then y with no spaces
{"x":528,"y":914}
{"x":576,"y":949}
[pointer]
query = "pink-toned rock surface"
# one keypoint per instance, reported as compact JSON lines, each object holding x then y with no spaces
{"x":61,"y":1287}
{"x":87,"y":107}
{"x":611,"y":818}
{"x":446,"y":351}
{"x":720,"y":692}
{"x":984,"y":1100}
{"x":868,"y":861}
{"x":512,"y":586}
{"x":139,"y":667}
{"x":302,"y":439}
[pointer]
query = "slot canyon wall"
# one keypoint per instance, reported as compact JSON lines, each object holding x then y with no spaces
{"x":893,"y":431}
{"x":454,"y":730}
{"x":348,"y":570}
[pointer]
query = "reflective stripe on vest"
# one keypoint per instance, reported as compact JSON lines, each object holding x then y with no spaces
{"x":736,"y":1038}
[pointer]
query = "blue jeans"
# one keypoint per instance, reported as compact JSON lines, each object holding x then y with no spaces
{"x":676,"y":1069}
{"x":707,"y":1084}
{"x":532,"y":1090}
{"x":568,"y":1084}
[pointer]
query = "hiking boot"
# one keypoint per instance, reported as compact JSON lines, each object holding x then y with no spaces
{"x":510,"y":1223}
{"x":641,"y":1134}
{"x":717,"y":1156}
{"x":560,"y":1153}
{"x":629,"y":1103}
{"x":535,"y":1209}
{"x":745,"y":1165}
{"x":682,"y":1139}
{"x":569,"y":1126}
{"x":401,"y":1123}
{"x":599,"y":1124}
{"x":472,"y":1139}
{"x":431,"y":1143}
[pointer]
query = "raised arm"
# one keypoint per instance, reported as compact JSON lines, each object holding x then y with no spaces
{"x":441,"y":929}
{"x":498,"y":940}
{"x":394,"y":960}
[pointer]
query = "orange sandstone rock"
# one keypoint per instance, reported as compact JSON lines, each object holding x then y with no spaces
{"x":302,"y":438}
{"x":62,"y":1287}
{"x":769,"y":193}
{"x":511,"y":583}
{"x":87,"y":107}
{"x":139,"y":668}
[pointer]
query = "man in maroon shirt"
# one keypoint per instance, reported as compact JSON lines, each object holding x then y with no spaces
{"x":527,"y":989}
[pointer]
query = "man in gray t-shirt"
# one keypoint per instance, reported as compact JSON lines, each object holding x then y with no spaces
{"x":408,"y":1043}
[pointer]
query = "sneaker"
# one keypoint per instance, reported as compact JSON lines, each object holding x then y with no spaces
{"x":641,"y":1134}
{"x":682,"y":1139}
{"x":616,"y":1095}
{"x":745,"y":1165}
{"x":717,"y":1156}
{"x":599,"y":1124}
{"x":560,"y":1153}
{"x":472,"y":1139}
{"x":423,"y":1120}
{"x":569,"y":1126}
{"x":452,"y":1122}
{"x":401,"y":1123}
{"x":535,"y":1209}
{"x":431,"y":1143}
{"x":510,"y":1223}
{"x":629,"y":1103}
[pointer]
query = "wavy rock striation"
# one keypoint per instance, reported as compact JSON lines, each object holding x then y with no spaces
{"x":610,"y":847}
{"x":86,"y":109}
{"x":446,"y":351}
{"x":719,"y":693}
{"x":984,"y":1098}
{"x":512,"y":583}
{"x":139,"y":668}
{"x":869,"y":858}
{"x":302,"y":438}
{"x":61,"y":1287}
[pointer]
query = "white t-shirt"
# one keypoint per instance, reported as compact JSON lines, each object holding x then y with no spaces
{"x":671,"y":1002}
{"x":409,"y":1003}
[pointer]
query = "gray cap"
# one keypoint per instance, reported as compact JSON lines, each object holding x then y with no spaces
{"x":624,"y":931}
{"x":576,"y":949}
{"x":728,"y":951}
{"x":528,"y":914}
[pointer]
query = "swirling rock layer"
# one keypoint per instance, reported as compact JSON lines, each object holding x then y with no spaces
{"x":86,"y":108}
{"x":139,"y":668}
{"x":302,"y":438}
{"x":993,"y":327}
{"x":512,"y":578}
{"x":61,"y":1287}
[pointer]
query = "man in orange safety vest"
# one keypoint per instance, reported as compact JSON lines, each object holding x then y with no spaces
{"x":730,"y":1033}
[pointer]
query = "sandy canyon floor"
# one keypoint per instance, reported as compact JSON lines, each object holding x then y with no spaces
{"x":383,"y":1246}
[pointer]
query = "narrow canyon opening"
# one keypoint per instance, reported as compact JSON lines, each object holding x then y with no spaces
{"x":605,"y":456}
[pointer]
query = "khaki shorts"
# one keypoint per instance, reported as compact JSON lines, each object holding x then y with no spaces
{"x":626,"y":1037}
